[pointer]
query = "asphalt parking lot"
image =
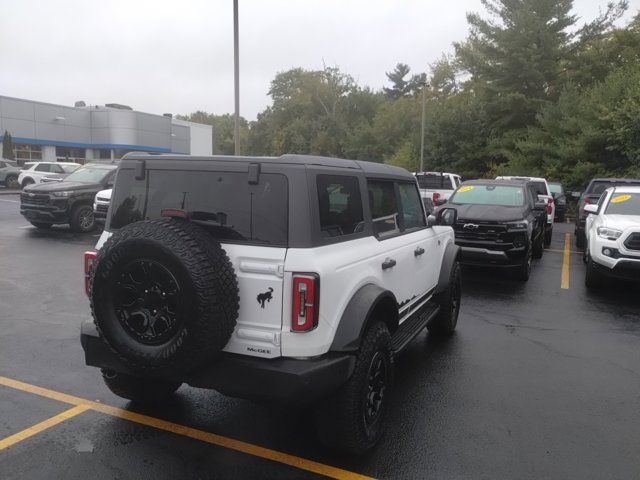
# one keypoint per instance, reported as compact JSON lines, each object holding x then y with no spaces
{"x":541,"y":380}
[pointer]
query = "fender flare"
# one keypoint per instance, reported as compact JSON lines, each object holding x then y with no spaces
{"x":449,"y":259}
{"x":358,"y":313}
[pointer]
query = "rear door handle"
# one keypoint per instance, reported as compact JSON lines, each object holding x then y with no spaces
{"x":388,"y":263}
{"x":418,"y":251}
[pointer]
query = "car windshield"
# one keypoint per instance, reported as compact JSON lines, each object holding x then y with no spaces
{"x":599,"y":186}
{"x":88,"y":174}
{"x":499,"y":195}
{"x":624,"y":204}
{"x":555,"y":188}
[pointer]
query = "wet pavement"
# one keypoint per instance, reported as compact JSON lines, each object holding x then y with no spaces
{"x":538,"y":382}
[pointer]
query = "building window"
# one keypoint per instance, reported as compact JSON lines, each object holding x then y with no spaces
{"x":104,"y":154}
{"x":24,"y":153}
{"x":66,"y":154}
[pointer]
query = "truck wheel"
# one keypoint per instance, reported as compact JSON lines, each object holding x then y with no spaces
{"x":164,"y":296}
{"x":547,"y":237}
{"x":41,"y":225}
{"x":524,"y":269}
{"x":580,"y":239}
{"x":354,"y":418}
{"x":538,"y":247}
{"x":139,"y":389}
{"x":449,"y":301}
{"x":593,"y":278}
{"x":11,"y":181}
{"x":82,"y":219}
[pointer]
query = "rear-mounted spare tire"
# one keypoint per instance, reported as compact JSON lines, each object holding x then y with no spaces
{"x":164,"y":296}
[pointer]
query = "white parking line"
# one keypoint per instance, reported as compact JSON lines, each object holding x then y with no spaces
{"x":9,"y":201}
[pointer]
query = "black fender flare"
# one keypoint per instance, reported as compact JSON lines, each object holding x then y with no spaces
{"x":358,"y":313}
{"x":449,"y":259}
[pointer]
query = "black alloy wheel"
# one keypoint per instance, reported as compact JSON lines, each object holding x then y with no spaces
{"x":376,"y":388}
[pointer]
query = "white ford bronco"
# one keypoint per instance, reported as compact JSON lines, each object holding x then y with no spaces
{"x":294,"y":280}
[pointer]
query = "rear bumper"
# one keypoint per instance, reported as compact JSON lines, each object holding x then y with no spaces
{"x":282,"y":380}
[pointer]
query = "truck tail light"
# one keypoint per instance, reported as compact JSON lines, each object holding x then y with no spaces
{"x":306,"y":300}
{"x":549,"y":206}
{"x":89,"y":259}
{"x":436,"y":199}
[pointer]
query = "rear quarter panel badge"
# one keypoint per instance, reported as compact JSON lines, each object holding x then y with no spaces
{"x":265,"y":297}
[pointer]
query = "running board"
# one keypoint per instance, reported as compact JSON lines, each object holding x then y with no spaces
{"x":412,"y":326}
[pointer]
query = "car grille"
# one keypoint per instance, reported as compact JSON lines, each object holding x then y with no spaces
{"x":102,"y":208}
{"x":34,"y":199}
{"x":480,"y":231}
{"x":633,"y":241}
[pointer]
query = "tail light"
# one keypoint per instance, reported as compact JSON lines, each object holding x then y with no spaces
{"x":306,"y":299}
{"x":89,"y":259}
{"x":436,"y":198}
{"x":549,"y":206}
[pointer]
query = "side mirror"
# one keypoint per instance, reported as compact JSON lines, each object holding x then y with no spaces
{"x":591,"y":208}
{"x":447,"y":216}
{"x":431,"y":221}
{"x":540,"y":206}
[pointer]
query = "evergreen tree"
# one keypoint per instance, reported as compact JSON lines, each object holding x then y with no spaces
{"x":7,"y":146}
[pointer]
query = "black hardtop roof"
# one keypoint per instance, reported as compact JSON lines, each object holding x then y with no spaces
{"x":514,"y":183}
{"x":615,"y":180}
{"x":369,"y":168}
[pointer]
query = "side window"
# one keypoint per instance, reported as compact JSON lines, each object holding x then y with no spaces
{"x":384,"y":208}
{"x":412,"y":213}
{"x":340,"y":205}
{"x":56,"y":169}
{"x":42,"y":167}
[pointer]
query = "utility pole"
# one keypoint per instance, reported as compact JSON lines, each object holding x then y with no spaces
{"x":424,"y":105}
{"x":236,"y":78}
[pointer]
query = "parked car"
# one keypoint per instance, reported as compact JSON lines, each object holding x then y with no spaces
{"x":559,"y":200}
{"x":544,"y":192}
{"x":101,"y":205}
{"x":500,"y":223}
{"x":9,"y":172}
{"x":612,"y":231}
{"x":69,"y":201}
{"x":437,"y":186}
{"x":590,"y":196}
{"x":295,"y":280}
{"x":34,"y":172}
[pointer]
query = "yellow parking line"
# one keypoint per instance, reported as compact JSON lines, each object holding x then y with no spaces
{"x":39,"y":427}
{"x":212,"y":438}
{"x":564,"y":282}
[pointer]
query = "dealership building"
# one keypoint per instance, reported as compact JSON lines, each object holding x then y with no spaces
{"x":48,"y":132}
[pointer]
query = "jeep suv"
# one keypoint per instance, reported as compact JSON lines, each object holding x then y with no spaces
{"x":294,"y":280}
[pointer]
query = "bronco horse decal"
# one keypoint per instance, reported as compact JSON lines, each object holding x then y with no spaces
{"x":265,"y":297}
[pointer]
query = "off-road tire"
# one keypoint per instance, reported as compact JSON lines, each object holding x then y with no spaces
{"x":80,"y":216}
{"x":449,"y":301}
{"x":593,"y":279}
{"x":523,"y":271}
{"x":11,"y":181}
{"x":538,"y":247}
{"x":548,"y":234}
{"x":201,"y":309}
{"x":580,"y":239}
{"x":561,"y":218}
{"x":341,"y":419}
{"x":42,"y":225}
{"x":139,"y":389}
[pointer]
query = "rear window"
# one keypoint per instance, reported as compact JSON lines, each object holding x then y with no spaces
{"x":434,"y":181}
{"x":540,"y":188}
{"x":598,"y":187}
{"x":223,"y":202}
{"x":624,"y":204}
{"x":500,"y":195}
{"x":555,"y":188}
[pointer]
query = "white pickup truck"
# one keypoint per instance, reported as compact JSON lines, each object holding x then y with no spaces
{"x":437,"y":186}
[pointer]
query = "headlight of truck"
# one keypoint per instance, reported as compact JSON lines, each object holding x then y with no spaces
{"x":61,"y":194}
{"x":610,"y":233}
{"x":518,"y":225}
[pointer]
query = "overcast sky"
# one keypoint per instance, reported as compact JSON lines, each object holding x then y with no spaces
{"x":160,"y":56}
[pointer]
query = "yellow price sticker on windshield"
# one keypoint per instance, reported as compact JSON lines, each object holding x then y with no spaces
{"x":468,"y":188}
{"x":620,"y":198}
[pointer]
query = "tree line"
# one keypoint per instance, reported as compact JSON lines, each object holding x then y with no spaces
{"x":529,"y":91}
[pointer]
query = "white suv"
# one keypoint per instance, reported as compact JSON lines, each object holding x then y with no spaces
{"x":294,"y":280}
{"x":544,"y":193}
{"x":34,"y":172}
{"x":612,"y":232}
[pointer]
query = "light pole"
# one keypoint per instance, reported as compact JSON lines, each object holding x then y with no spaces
{"x":424,"y":105}
{"x":236,"y":78}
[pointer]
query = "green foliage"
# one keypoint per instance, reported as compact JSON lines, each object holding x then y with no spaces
{"x":7,"y":146}
{"x":223,"y":128}
{"x":401,"y":87}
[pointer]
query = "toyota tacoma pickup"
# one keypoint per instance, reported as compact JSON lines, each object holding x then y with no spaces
{"x":294,"y":280}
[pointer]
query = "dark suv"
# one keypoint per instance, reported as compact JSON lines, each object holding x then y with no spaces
{"x":499,"y":223}
{"x":69,"y":201}
{"x":591,"y":195}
